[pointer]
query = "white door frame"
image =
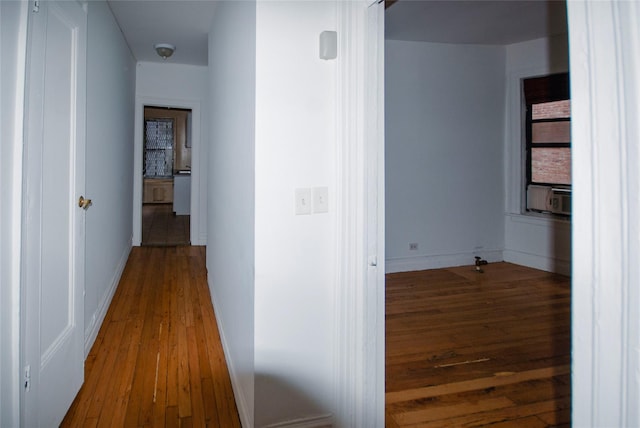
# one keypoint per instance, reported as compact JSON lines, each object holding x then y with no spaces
{"x":196,"y":170}
{"x":605,"y":102}
{"x":359,"y":292}
{"x":605,"y":41}
{"x":13,"y":90}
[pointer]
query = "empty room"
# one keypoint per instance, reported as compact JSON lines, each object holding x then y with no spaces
{"x":478,"y":289}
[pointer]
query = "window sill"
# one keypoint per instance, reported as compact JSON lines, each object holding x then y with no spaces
{"x":540,"y":219}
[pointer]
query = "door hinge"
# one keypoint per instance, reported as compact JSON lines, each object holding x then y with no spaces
{"x":36,"y":6}
{"x":27,"y":378}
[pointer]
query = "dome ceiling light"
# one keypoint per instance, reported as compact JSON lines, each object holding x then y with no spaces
{"x":165,"y":50}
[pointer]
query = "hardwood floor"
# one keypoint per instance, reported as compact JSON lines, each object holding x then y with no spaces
{"x":463,"y":349}
{"x":158,"y":360}
{"x":467,"y":349}
{"x":160,"y":226}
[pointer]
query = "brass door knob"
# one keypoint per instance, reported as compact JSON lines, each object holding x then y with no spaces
{"x":84,"y":203}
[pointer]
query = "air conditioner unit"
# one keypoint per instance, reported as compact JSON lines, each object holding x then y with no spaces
{"x":538,"y":198}
{"x":549,"y":199}
{"x":560,"y":201}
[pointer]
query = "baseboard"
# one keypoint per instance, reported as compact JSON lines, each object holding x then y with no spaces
{"x":410,"y":264}
{"x":536,"y":261}
{"x":321,"y":421}
{"x":245,"y":413}
{"x":202,"y":239}
{"x":101,"y":312}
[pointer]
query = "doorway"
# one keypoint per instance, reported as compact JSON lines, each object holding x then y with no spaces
{"x":197,"y":230}
{"x":166,"y":170}
{"x":451,"y":171}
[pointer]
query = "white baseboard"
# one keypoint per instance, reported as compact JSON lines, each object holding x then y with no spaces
{"x":410,"y":264}
{"x":536,"y":261}
{"x":321,"y":421}
{"x":103,"y":306}
{"x":202,"y":239}
{"x":244,"y":411}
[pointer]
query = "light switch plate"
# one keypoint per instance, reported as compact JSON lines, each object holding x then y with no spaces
{"x":303,"y":201}
{"x":320,"y":200}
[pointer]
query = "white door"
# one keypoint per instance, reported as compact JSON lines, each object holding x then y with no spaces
{"x":53,"y":223}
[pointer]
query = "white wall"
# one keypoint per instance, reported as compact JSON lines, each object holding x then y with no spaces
{"x":13,"y":27}
{"x":183,"y":86}
{"x":295,"y":143}
{"x":444,"y":154}
{"x":231,"y":182}
{"x":273,"y":296}
{"x":109,"y":165}
{"x":530,"y":240}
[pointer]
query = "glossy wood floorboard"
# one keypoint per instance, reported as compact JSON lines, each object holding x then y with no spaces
{"x":160,"y":226}
{"x":468,"y":349}
{"x":158,"y":359}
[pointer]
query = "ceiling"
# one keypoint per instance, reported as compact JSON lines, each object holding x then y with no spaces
{"x":186,"y":23}
{"x":182,"y":23}
{"x":475,"y":21}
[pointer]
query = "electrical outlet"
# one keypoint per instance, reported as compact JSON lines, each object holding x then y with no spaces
{"x":413,"y":246}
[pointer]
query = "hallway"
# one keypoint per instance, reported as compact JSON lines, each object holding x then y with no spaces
{"x":158,"y":359}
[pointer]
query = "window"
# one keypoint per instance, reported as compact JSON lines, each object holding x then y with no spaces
{"x":158,"y":148}
{"x":548,"y":140}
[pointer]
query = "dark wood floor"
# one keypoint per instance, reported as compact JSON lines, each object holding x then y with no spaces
{"x":158,"y":360}
{"x":467,"y":349}
{"x":160,"y":226}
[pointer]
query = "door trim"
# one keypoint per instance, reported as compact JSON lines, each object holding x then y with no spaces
{"x":11,"y":216}
{"x":359,"y":293}
{"x":605,"y":103}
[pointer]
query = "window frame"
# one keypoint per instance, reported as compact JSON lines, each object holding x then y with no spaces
{"x":538,"y":90}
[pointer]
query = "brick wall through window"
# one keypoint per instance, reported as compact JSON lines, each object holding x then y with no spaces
{"x":548,"y":130}
{"x":551,"y":165}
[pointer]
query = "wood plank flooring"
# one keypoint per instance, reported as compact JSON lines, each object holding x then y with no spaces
{"x":468,"y":349}
{"x":160,"y":226}
{"x":158,"y":359}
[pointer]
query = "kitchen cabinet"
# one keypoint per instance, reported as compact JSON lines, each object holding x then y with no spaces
{"x":157,"y":190}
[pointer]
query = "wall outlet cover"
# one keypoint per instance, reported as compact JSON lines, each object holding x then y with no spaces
{"x":303,"y":201}
{"x":320,"y":200}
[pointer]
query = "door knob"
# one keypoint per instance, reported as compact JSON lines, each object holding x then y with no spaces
{"x":84,"y":203}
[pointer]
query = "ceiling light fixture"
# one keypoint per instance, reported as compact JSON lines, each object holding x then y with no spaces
{"x":165,"y":50}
